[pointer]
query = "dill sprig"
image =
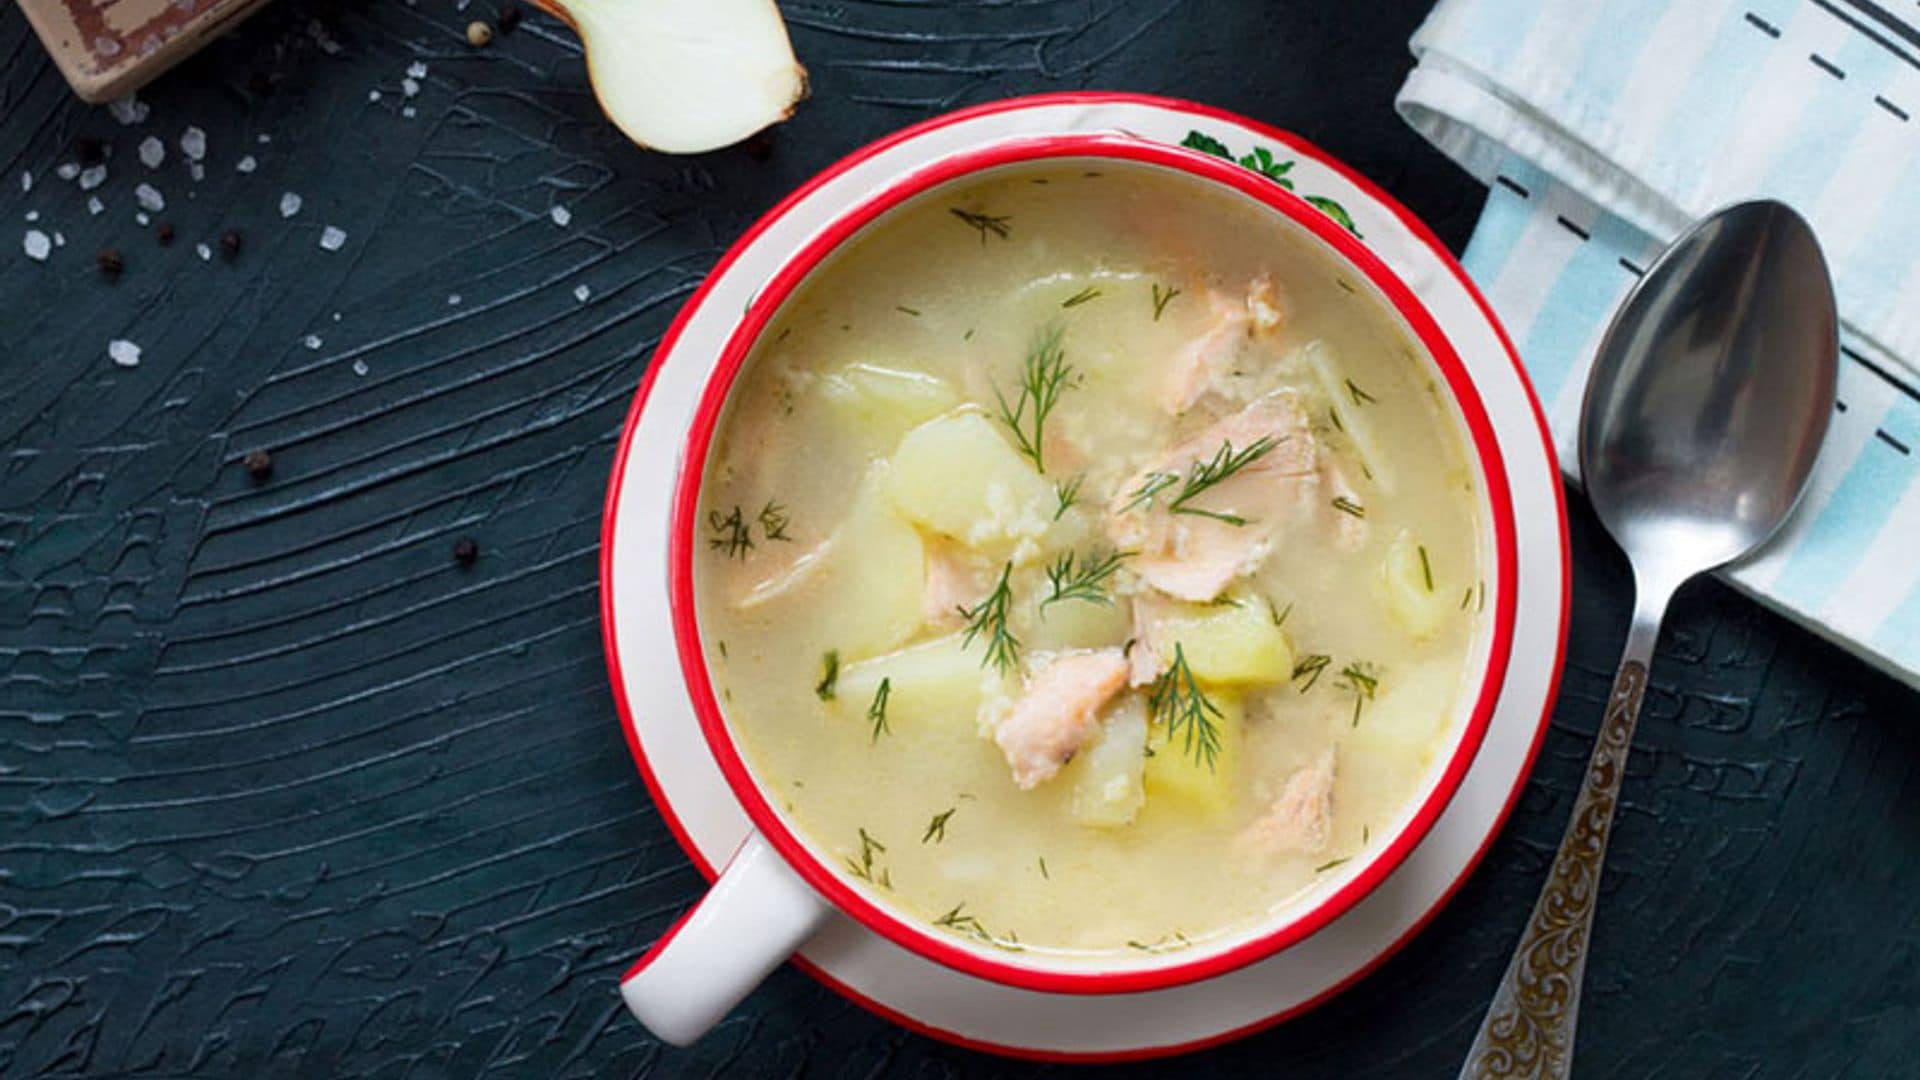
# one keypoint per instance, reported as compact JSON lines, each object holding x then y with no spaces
{"x":1081,"y":297}
{"x":1068,"y":494}
{"x":1326,"y":866}
{"x":1042,"y":376}
{"x":877,"y":712}
{"x":1162,"y":296}
{"x":731,"y":533}
{"x":1364,"y":680}
{"x":937,"y":828}
{"x":864,"y":868}
{"x":958,"y":919}
{"x":985,"y":223}
{"x":989,"y":618}
{"x":1360,"y":397}
{"x":1309,"y":668}
{"x":773,"y":522}
{"x":1087,"y":581}
{"x":1426,"y":568}
{"x":829,"y":676}
{"x":1175,"y":699}
{"x":1202,"y":477}
{"x":1348,"y":506}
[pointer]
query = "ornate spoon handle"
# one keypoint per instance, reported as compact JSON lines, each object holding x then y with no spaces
{"x":1528,"y":1031}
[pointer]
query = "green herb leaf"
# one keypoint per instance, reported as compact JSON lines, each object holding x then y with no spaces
{"x":1176,"y":700}
{"x":1068,"y":494}
{"x":877,"y":712}
{"x":773,"y":522}
{"x":988,"y":618}
{"x":1363,"y":680}
{"x":1426,"y":568}
{"x":1309,"y":668}
{"x":863,"y":867}
{"x":1360,"y":397}
{"x":829,"y":676}
{"x":1081,"y":297}
{"x":1087,"y":582}
{"x":1348,"y":506}
{"x":1043,"y":375}
{"x":1162,"y":296}
{"x":1325,"y":866}
{"x":937,"y":828}
{"x":731,"y":533}
{"x":1001,"y":227}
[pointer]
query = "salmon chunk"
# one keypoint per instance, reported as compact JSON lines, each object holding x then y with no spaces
{"x":1056,"y":714}
{"x":1196,"y":553}
{"x":1210,"y":358}
{"x":1301,"y":817}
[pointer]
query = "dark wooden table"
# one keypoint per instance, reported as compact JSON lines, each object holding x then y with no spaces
{"x":287,"y":789}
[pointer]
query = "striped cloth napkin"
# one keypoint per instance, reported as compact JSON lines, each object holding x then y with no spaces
{"x":1602,"y":127}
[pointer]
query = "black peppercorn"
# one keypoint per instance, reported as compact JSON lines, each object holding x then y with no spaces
{"x":230,"y":242}
{"x":465,"y":551}
{"x":164,"y":233}
{"x":110,"y":262}
{"x":259,"y":464}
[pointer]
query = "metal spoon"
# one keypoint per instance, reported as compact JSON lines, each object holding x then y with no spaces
{"x":1706,"y":407}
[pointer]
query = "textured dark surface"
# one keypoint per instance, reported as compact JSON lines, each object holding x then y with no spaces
{"x":284,"y":789}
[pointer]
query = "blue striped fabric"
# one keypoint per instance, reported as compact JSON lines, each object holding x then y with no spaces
{"x":1603,"y":126}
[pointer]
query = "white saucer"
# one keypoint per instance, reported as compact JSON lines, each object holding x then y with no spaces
{"x":915,"y":992}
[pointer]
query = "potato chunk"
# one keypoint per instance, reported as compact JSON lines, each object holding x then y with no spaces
{"x":1106,"y":775}
{"x":1236,"y":643}
{"x":872,"y":575}
{"x":870,"y":396}
{"x":1177,"y":778}
{"x":930,"y":682}
{"x":957,"y":476}
{"x":1408,"y":587}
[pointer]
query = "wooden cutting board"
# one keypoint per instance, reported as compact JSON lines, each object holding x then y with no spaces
{"x":108,"y":48}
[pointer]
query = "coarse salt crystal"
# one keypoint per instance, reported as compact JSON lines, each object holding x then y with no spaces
{"x":149,"y":198}
{"x":263,"y":138}
{"x":196,"y":170}
{"x":193,"y":143}
{"x":94,"y":205}
{"x":333,"y":238}
{"x":67,"y":170}
{"x":33,"y":215}
{"x":92,"y":177}
{"x":205,"y":252}
{"x":410,"y":87}
{"x":129,"y":110}
{"x":359,"y":367}
{"x":409,"y":112}
{"x":37,"y":244}
{"x":26,"y":181}
{"x":124,"y":352}
{"x":373,"y":95}
{"x":246,"y":164}
{"x":417,"y":70}
{"x":59,"y":238}
{"x":453,"y":299}
{"x":313,"y":341}
{"x":581,"y":293}
{"x":140,"y":216}
{"x":289,"y":204}
{"x":561,"y":216}
{"x":152,"y":152}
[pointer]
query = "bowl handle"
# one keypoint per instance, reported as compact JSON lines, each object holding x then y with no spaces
{"x":754,"y":917}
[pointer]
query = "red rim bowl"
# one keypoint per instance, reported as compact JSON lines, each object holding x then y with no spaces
{"x":1078,"y":976}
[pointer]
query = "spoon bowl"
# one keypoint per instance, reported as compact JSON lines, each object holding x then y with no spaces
{"x":1712,"y":392}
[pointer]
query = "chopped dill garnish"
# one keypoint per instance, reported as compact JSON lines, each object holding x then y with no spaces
{"x":968,"y":336}
{"x":1482,"y":605}
{"x":1162,"y":296}
{"x":877,"y":712}
{"x":1343,"y":283}
{"x":1081,"y":297}
{"x":1164,"y":943}
{"x":958,"y":919}
{"x":1068,"y":494}
{"x":829,"y":675}
{"x":1366,"y":833}
{"x":1426,"y":568}
{"x":1087,"y":581}
{"x":1325,"y":866}
{"x":1363,"y":679}
{"x":1309,"y":667}
{"x":1279,"y":617}
{"x":1202,"y":477}
{"x":1348,"y":506}
{"x":989,"y":618}
{"x":1466,"y":598}
{"x":937,"y":828}
{"x":1360,"y":397}
{"x":1001,"y":227}
{"x":1333,"y":414}
{"x":1043,"y":375}
{"x":864,"y":868}
{"x":905,"y":310}
{"x":1043,"y":868}
{"x":773,"y":522}
{"x":731,"y":533}
{"x":1175,"y":699}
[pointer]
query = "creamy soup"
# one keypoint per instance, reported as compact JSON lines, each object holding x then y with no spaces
{"x":1088,"y":563}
